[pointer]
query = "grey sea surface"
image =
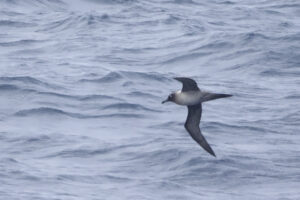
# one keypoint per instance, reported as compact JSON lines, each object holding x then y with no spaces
{"x":81,"y":85}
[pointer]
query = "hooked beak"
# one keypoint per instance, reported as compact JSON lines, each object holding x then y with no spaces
{"x":165,"y":101}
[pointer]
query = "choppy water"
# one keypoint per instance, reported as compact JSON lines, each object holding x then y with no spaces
{"x":82,"y":82}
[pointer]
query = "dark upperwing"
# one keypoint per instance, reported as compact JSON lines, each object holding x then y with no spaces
{"x":192,"y":126}
{"x":187,"y":84}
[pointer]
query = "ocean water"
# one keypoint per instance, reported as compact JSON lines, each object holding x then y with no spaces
{"x":81,"y":85}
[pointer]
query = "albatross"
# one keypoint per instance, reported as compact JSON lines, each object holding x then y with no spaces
{"x":192,"y":97}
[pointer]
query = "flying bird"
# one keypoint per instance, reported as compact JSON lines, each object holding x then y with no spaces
{"x":192,"y":97}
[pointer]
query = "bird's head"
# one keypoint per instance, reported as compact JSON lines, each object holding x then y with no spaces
{"x":171,"y":97}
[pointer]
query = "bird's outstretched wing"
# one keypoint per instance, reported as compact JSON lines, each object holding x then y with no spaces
{"x":192,"y":126}
{"x":187,"y":84}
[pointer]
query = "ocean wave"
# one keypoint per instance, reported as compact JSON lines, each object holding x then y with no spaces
{"x":172,"y":19}
{"x":91,"y":97}
{"x":213,"y":45}
{"x":17,"y":24}
{"x":110,"y":77}
{"x":83,"y":98}
{"x":91,"y":19}
{"x":279,"y":73}
{"x":114,"y":1}
{"x":291,"y":118}
{"x":211,"y":125}
{"x":42,"y":111}
{"x":96,"y":97}
{"x":128,"y":106}
{"x":9,"y":161}
{"x":8,"y":87}
{"x":29,"y":140}
{"x":181,"y":2}
{"x":93,"y":151}
{"x":253,"y":38}
{"x":20,"y":43}
{"x":91,"y":179}
{"x":50,"y":4}
{"x":59,"y":25}
{"x":199,"y":52}
{"x":293,"y":96}
{"x":285,"y":5}
{"x":139,"y":94}
{"x":81,"y":152}
{"x":161,"y":156}
{"x":10,"y":13}
{"x":185,"y":57}
{"x":151,"y":76}
{"x":27,"y":80}
{"x":59,"y":95}
{"x":39,"y":139}
{"x":47,"y":111}
{"x":75,"y":21}
{"x":127,"y":75}
{"x":168,"y":125}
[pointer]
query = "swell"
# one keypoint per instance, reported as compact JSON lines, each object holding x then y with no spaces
{"x":128,"y":106}
{"x":205,"y":50}
{"x":48,"y":111}
{"x":27,"y":80}
{"x":76,"y":22}
{"x":19,"y":43}
{"x":80,"y":98}
{"x":188,"y":163}
{"x":99,"y":150}
{"x":193,"y":163}
{"x":108,"y":78}
{"x":8,"y":87}
{"x":40,"y":4}
{"x":92,"y":97}
{"x":139,"y":94}
{"x":16,"y":24}
{"x":249,"y":127}
{"x":114,"y":1}
{"x":127,"y":75}
{"x":167,"y":125}
{"x":252,"y":36}
{"x":91,"y":179}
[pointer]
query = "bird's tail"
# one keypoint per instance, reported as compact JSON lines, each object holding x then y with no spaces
{"x":212,"y":96}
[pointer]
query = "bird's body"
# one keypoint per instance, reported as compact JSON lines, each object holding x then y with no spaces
{"x":188,"y":98}
{"x":192,"y":97}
